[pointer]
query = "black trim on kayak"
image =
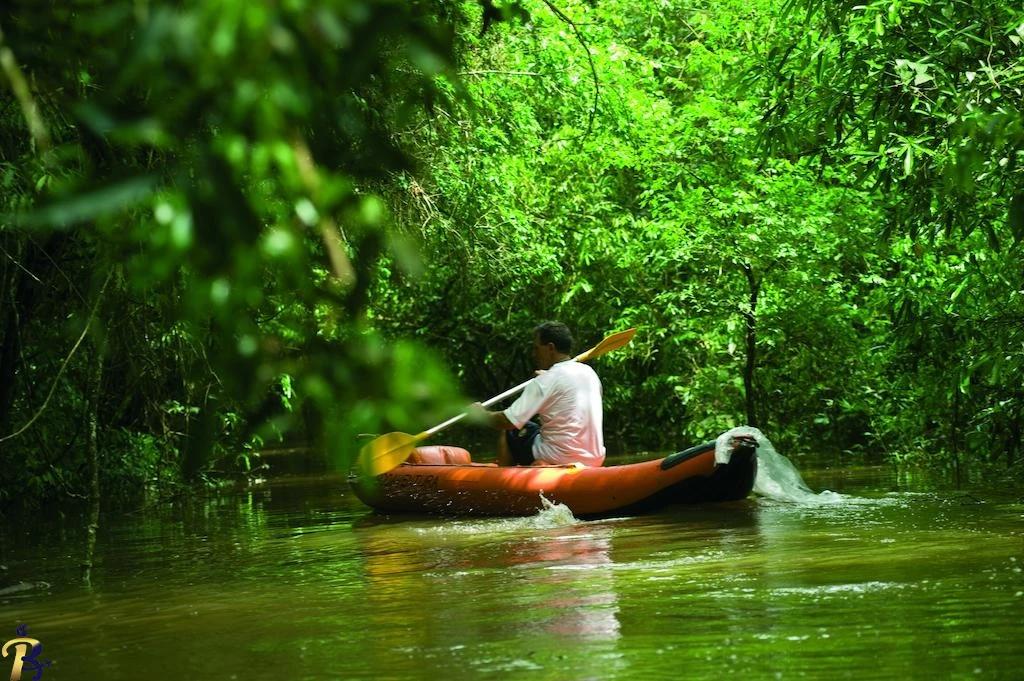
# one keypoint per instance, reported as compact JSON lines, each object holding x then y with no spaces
{"x":730,"y":482}
{"x":675,"y":459}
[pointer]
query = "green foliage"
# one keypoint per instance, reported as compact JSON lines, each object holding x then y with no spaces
{"x":647,"y":220}
{"x":924,"y":96}
{"x":217,"y":163}
{"x":310,"y":220}
{"x":922,"y":100}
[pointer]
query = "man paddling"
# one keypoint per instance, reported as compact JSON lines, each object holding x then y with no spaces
{"x":566,"y":396}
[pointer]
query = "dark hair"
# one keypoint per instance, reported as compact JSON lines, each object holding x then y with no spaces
{"x":557,"y":333}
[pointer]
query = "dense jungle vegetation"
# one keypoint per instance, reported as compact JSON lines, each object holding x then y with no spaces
{"x":228,"y":225}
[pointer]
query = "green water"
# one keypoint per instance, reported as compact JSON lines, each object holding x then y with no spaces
{"x":295,"y":579}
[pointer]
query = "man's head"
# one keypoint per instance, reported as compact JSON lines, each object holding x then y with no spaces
{"x":552,"y":343}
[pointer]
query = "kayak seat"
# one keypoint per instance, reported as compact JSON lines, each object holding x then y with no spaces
{"x":440,"y":454}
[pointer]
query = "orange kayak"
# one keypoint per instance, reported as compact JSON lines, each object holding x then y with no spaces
{"x":444,"y":480}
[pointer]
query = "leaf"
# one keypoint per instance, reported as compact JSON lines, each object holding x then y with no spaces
{"x":993,"y":238}
{"x":965,"y":383}
{"x":1015,"y":217}
{"x":959,"y":289}
{"x":88,"y":205}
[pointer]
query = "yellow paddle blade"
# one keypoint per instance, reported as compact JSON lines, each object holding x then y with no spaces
{"x":612,"y":342}
{"x":386,"y":452}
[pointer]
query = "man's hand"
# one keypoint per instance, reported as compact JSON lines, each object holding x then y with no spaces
{"x":478,"y":414}
{"x":481,"y":416}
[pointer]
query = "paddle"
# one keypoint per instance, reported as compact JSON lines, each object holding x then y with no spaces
{"x":390,"y":450}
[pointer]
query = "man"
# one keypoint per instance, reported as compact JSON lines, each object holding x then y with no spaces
{"x":566,"y":396}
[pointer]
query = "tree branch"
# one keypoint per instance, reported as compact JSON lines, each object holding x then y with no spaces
{"x":63,"y":366}
{"x":590,"y":59}
{"x":487,"y":72}
{"x":29,"y":109}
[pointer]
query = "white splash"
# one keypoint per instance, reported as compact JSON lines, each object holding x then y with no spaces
{"x":551,"y":515}
{"x":777,"y":478}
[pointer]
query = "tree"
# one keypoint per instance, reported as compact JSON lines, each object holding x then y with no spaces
{"x":217,"y":164}
{"x":924,"y":96}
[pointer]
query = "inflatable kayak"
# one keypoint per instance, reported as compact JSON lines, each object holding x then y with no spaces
{"x":444,"y":480}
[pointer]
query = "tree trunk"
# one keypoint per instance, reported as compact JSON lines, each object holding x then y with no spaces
{"x":93,"y":456}
{"x":30,"y":267}
{"x":15,"y":305}
{"x":954,"y":434}
{"x":751,"y":336}
{"x":1012,"y":442}
{"x":10,"y":351}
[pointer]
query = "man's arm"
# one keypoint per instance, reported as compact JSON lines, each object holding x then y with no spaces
{"x":494,"y":419}
{"x":525,"y":406}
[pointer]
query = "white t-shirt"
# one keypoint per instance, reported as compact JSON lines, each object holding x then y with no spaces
{"x":567,"y":397}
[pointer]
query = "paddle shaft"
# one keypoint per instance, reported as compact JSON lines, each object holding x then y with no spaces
{"x":497,"y":398}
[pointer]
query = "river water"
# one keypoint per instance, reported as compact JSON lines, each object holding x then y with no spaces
{"x":294,"y":578}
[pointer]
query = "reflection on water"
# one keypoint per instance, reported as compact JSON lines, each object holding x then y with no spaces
{"x":296,"y":579}
{"x":479,"y":585}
